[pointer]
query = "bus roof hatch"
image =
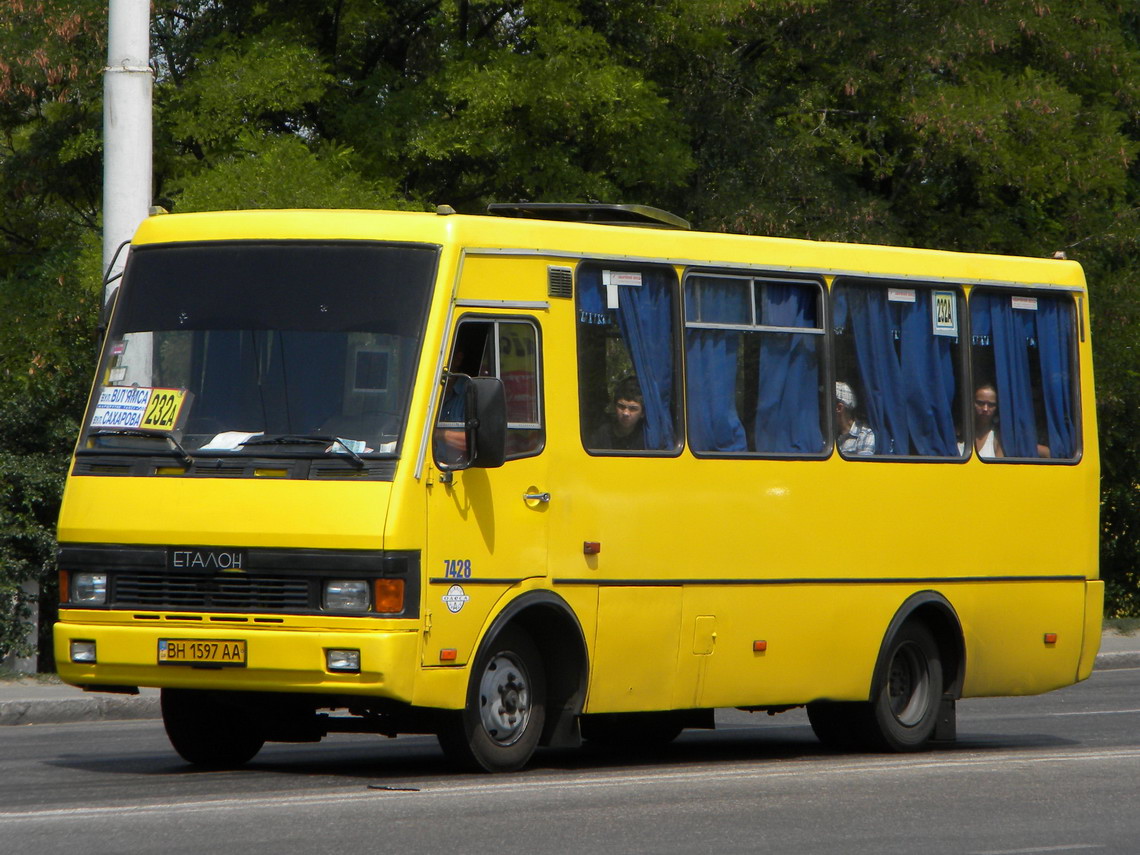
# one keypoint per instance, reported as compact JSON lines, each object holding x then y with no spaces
{"x":591,"y":212}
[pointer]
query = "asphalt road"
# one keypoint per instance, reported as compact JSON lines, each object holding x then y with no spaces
{"x":1053,"y":774}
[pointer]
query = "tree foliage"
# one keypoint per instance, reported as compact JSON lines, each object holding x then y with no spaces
{"x":1007,"y":126}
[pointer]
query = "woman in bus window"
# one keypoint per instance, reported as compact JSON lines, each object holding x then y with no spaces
{"x":987,"y":442}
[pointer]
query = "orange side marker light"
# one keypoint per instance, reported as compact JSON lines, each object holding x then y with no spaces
{"x":389,"y":595}
{"x":759,"y":646}
{"x":1050,"y":638}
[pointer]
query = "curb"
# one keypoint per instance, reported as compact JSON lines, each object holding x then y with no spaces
{"x":1122,"y":659}
{"x":90,"y":707}
{"x":96,"y":706}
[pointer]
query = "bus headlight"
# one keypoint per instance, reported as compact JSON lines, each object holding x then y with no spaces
{"x":89,"y":588}
{"x":83,"y":651}
{"x":351,"y":595}
{"x":344,"y":661}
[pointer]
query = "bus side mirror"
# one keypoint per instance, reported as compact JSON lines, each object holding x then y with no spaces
{"x":487,"y":431}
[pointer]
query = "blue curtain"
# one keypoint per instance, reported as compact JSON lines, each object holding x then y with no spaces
{"x":1014,"y":335}
{"x":906,"y":372}
{"x":714,"y":423}
{"x":867,"y":311}
{"x":1055,"y":348}
{"x":313,"y":366}
{"x":645,"y":320}
{"x":787,"y":407}
{"x":927,"y":365}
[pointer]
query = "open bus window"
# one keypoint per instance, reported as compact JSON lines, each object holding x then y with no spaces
{"x":754,"y":366}
{"x":899,"y":369}
{"x":627,"y":359}
{"x":1023,"y":347}
{"x":505,"y":349}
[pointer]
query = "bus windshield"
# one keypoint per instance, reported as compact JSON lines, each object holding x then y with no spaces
{"x":286,"y":348}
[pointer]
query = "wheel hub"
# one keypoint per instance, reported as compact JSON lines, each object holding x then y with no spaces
{"x":504,"y":699}
{"x":909,"y":685}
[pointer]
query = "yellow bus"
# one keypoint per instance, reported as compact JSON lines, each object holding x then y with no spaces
{"x":567,"y":472}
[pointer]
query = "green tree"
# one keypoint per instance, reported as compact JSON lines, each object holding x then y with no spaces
{"x":417,"y":102}
{"x":1005,"y":126}
{"x":49,"y":186}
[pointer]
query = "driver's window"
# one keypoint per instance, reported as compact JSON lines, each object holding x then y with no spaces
{"x":506,"y":349}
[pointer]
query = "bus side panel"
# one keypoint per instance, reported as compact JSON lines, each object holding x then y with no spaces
{"x":635,"y":654}
{"x":825,"y":650}
{"x":1008,"y":629}
{"x":1094,"y":611}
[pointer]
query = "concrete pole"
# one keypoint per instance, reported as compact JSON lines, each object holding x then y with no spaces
{"x":127,"y":147}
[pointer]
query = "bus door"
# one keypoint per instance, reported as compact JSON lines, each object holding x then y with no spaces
{"x":487,"y":528}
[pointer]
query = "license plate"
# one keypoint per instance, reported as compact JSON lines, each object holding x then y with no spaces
{"x":194,"y":651}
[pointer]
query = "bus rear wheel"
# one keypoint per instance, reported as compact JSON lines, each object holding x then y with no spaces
{"x":904,"y":711}
{"x":207,"y":731}
{"x":499,"y":728}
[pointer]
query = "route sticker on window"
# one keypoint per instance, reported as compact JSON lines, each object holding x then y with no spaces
{"x":613,"y":279}
{"x":1026,"y":304}
{"x":455,"y":599}
{"x":944,"y":308}
{"x":138,"y":407}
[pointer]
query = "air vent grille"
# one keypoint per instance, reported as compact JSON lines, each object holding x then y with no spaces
{"x":230,"y":591}
{"x":560,"y":282}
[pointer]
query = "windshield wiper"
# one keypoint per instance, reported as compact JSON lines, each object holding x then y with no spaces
{"x":177,"y":450}
{"x":307,"y":439}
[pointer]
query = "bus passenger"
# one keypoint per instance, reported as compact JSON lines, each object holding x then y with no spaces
{"x":854,"y":437}
{"x":625,"y":429}
{"x":986,"y":440}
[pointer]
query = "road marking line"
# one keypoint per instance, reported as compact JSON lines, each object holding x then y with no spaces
{"x":706,"y":774}
{"x":1037,"y":850}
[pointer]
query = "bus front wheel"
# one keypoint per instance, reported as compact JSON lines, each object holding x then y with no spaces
{"x":207,"y":731}
{"x":499,"y":728}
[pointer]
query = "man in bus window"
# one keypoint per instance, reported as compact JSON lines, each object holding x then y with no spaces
{"x":854,"y":436}
{"x":625,"y":429}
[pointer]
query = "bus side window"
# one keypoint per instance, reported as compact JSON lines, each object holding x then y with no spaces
{"x":1023,"y":354}
{"x":898,"y":369}
{"x":627,"y":358}
{"x":753,"y":365}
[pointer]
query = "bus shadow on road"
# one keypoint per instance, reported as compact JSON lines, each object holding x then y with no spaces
{"x":343,"y":758}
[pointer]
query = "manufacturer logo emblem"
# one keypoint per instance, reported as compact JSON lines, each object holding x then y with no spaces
{"x":204,"y":558}
{"x":455,"y":599}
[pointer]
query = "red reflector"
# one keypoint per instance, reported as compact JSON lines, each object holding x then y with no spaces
{"x":591,"y":547}
{"x":1050,"y":638}
{"x":448,"y":654}
{"x":759,"y":646}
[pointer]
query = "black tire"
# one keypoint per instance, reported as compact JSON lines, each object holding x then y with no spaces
{"x":904,"y":711}
{"x":840,"y":726}
{"x":631,"y":732}
{"x":208,"y":731}
{"x":500,"y":726}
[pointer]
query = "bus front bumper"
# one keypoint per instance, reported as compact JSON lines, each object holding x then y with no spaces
{"x":276,"y":660}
